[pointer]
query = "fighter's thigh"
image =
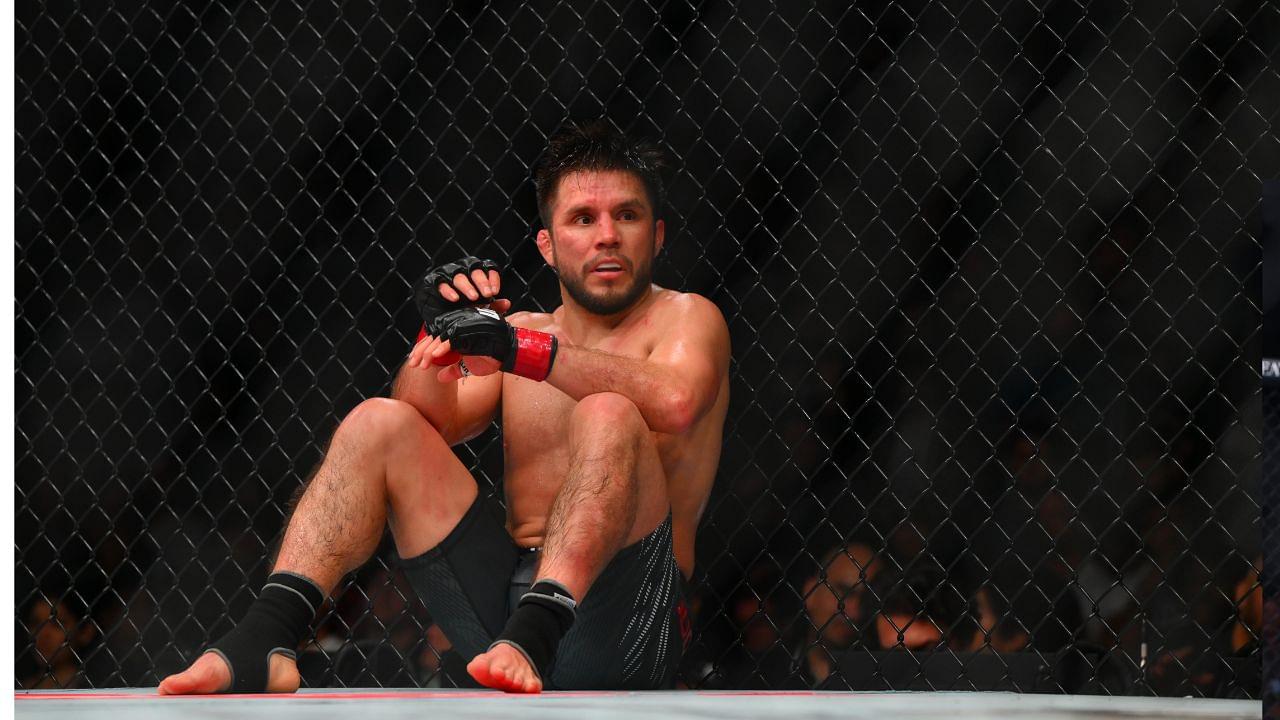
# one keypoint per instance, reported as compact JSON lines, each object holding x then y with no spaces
{"x":428,"y":488}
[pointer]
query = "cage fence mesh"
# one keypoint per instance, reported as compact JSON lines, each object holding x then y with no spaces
{"x":990,"y":270}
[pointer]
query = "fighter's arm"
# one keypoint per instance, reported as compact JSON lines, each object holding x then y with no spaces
{"x":457,"y":410}
{"x":675,"y":385}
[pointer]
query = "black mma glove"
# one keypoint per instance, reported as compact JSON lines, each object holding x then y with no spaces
{"x":431,"y":304}
{"x":477,"y":331}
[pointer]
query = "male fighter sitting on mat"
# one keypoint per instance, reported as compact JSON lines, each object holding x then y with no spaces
{"x":613,"y":408}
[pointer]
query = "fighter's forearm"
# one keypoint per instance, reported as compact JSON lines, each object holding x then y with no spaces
{"x":665,"y":400}
{"x":437,"y":401}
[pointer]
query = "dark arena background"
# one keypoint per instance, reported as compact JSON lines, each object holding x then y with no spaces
{"x":992,"y":271}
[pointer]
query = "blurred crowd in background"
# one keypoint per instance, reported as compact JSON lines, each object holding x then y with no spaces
{"x":989,"y":270}
{"x":778,"y":627}
{"x":373,"y":632}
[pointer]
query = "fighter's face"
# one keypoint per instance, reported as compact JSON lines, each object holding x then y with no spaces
{"x":602,"y":240}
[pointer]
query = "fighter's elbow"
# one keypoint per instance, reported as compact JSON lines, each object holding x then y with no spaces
{"x":681,"y":412}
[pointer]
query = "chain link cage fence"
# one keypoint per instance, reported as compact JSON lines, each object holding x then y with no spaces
{"x":990,"y":268}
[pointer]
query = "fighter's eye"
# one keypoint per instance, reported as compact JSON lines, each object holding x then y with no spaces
{"x":582,"y":220}
{"x":627,"y":215}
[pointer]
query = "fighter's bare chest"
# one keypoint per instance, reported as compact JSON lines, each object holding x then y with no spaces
{"x":533,"y":412}
{"x":536,"y":415}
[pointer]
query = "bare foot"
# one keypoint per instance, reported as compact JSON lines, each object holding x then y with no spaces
{"x":505,"y":669}
{"x":209,"y":674}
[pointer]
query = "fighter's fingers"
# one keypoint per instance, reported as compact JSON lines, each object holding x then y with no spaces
{"x":500,"y":306}
{"x":432,"y":352}
{"x":495,"y":281}
{"x":481,"y":281}
{"x":448,"y":293}
{"x":419,"y":350}
{"x":440,"y":349}
{"x":448,"y":358}
{"x":463,"y":285}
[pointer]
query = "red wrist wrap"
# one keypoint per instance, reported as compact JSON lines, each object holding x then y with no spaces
{"x":534,"y":354}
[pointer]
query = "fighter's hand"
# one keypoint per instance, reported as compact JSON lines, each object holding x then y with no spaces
{"x":469,"y":282}
{"x":478,"y":365}
{"x":432,"y":351}
{"x":475,"y":332}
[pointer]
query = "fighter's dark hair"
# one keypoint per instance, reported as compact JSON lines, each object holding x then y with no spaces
{"x":596,"y":146}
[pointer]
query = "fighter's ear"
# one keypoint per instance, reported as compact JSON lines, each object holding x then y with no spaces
{"x":659,"y":236}
{"x":544,"y":247}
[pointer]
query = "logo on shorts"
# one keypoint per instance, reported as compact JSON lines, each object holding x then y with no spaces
{"x":686,"y":628}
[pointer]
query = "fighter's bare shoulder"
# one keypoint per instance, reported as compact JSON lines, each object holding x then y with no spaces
{"x":532,"y":320}
{"x":687,"y":306}
{"x":694,"y":316}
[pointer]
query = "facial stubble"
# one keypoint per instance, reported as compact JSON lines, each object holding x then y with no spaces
{"x":611,"y":302}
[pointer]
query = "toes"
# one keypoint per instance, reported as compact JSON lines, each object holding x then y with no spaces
{"x":502,"y":672}
{"x":184,"y":683}
{"x":479,"y":669}
{"x":518,"y":680}
{"x":525,"y":684}
{"x":209,"y":674}
{"x":180,"y":684}
{"x":171,"y":685}
{"x":531,"y":684}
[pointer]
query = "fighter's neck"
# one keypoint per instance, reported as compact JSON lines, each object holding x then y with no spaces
{"x":586,"y":328}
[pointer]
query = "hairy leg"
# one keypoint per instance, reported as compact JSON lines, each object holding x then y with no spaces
{"x":613,"y":495}
{"x":384,"y":455}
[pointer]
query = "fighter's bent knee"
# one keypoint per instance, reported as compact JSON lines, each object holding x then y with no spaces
{"x":378,"y":419}
{"x":608,"y":410}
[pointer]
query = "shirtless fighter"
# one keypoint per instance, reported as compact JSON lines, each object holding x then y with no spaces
{"x":613,"y":408}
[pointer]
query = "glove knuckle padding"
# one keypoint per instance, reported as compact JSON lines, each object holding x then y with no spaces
{"x":473,"y":332}
{"x":431,"y":303}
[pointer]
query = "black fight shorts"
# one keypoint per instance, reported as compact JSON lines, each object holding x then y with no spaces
{"x":628,"y":631}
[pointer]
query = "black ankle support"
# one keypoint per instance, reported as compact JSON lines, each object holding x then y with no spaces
{"x":275,"y":623}
{"x":541,"y":619}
